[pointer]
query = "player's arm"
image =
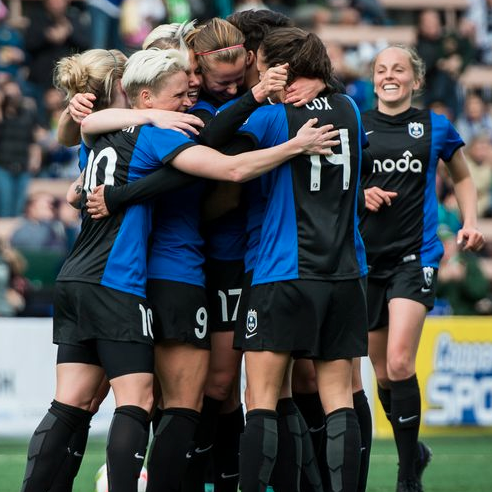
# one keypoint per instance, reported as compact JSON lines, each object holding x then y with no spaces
{"x":208,"y":163}
{"x":106,"y":200}
{"x":78,"y":108}
{"x":466,"y":194}
{"x":74,"y":193}
{"x":113,"y":119}
{"x":303,"y":91}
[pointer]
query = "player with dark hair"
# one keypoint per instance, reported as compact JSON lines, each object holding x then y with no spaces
{"x":399,"y":227}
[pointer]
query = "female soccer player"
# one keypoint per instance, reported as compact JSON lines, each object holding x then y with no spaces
{"x":399,"y":227}
{"x":304,"y":270}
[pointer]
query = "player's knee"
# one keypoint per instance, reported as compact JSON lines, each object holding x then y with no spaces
{"x":400,"y":366}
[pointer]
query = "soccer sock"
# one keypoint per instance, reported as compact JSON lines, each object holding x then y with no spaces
{"x":310,"y":474}
{"x":286,"y":473}
{"x":312,"y":410}
{"x":343,"y":449}
{"x":125,"y":450}
{"x":361,"y":407}
{"x":385,"y":399}
{"x":230,"y":426}
{"x":194,"y":480}
{"x":48,"y":448}
{"x":156,"y":419}
{"x":258,"y":450}
{"x":76,"y":447}
{"x":171,"y":449}
{"x":405,"y":419}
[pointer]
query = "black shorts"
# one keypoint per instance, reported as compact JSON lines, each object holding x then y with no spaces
{"x":242,"y":312}
{"x":325,"y":320}
{"x":85,"y":311}
{"x":116,"y":358}
{"x":408,"y":281}
{"x":224,"y":281}
{"x":180,"y":312}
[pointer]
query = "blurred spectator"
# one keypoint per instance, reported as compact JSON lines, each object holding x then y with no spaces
{"x":461,"y":281}
{"x":105,"y":24}
{"x":358,"y":88}
{"x":20,"y":155}
{"x":314,"y":17}
{"x":479,"y":153}
{"x":56,"y":31}
{"x":445,"y":56}
{"x":12,"y":283}
{"x":476,"y":118}
{"x":480,"y":14}
{"x":40,"y":228}
{"x":12,"y":54}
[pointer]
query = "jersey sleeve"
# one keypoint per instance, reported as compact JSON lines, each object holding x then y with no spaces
{"x":163,"y":180}
{"x":167,"y":144}
{"x":83,"y":156}
{"x":453,"y":141}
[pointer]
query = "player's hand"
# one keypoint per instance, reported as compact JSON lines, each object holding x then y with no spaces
{"x":303,"y":91}
{"x":180,"y":122}
{"x":96,"y":206}
{"x":376,"y":197}
{"x":80,"y":106}
{"x":271,"y":82}
{"x":470,"y":238}
{"x":317,"y":141}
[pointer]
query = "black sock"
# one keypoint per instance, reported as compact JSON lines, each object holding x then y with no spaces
{"x":194,"y":479}
{"x":258,"y":450}
{"x":230,"y":426}
{"x":385,"y":399}
{"x":361,"y":407}
{"x":405,"y":419}
{"x":76,"y":448}
{"x":311,"y":409}
{"x":286,"y":473}
{"x":171,"y":449}
{"x":156,"y":419}
{"x":310,"y":474}
{"x":127,"y":444}
{"x":343,"y":449}
{"x":48,"y":448}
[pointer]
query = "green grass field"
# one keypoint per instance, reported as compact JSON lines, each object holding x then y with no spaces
{"x":459,"y":464}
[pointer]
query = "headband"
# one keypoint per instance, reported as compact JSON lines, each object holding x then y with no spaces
{"x":221,"y":49}
{"x":114,"y":58}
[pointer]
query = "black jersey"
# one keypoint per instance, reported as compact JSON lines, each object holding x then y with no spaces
{"x":113,"y":251}
{"x":310,"y":225}
{"x":405,"y":151}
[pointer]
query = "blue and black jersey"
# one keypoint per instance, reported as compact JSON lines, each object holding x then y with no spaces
{"x":113,"y":251}
{"x":405,"y":150}
{"x":310,"y":226}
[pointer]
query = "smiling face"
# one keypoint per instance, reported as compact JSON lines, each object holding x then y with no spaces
{"x":394,"y":80}
{"x":222,"y":80}
{"x":195,"y":78}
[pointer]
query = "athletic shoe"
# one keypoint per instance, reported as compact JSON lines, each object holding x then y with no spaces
{"x":408,"y":485}
{"x":424,"y":457}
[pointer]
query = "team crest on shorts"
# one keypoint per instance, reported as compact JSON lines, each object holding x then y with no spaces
{"x":251,"y":323}
{"x":416,"y":130}
{"x":428,"y":277}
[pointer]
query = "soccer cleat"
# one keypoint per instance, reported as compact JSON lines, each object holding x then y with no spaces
{"x":424,"y":456}
{"x":409,"y":485}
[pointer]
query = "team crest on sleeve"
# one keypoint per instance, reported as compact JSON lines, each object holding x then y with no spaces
{"x":251,"y":323}
{"x":416,"y":130}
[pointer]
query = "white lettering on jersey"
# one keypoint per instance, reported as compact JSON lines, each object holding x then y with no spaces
{"x":319,"y":103}
{"x":130,"y":129}
{"x":401,"y":165}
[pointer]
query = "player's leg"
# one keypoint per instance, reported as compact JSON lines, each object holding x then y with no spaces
{"x":406,"y":322}
{"x":258,"y":449}
{"x":76,"y":386}
{"x":129,"y":367}
{"x":181,"y":368}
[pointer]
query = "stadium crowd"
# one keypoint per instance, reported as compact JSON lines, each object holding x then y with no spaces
{"x":299,"y":222}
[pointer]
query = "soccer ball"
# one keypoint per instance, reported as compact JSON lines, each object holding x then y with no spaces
{"x":101,"y":480}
